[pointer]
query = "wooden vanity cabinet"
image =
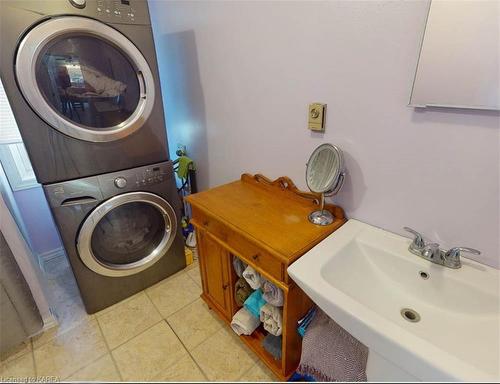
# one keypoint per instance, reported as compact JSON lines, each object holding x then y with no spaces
{"x":264,"y":223}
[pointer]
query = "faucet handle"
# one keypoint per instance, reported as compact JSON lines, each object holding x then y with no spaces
{"x":455,"y":251}
{"x":418,"y":241}
{"x":452,"y":256}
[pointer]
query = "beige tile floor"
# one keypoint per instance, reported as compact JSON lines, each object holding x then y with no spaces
{"x":165,"y":333}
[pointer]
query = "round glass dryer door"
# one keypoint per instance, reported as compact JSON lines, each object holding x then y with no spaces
{"x":127,"y":234}
{"x":85,"y":79}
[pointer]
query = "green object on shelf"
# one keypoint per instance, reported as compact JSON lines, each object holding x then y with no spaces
{"x":185,"y":164}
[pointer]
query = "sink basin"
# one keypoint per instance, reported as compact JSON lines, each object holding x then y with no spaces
{"x":433,"y":322}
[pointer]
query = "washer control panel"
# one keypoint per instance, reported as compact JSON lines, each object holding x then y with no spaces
{"x":150,"y":175}
{"x":91,"y":190}
{"x":117,"y":10}
{"x":136,"y":179}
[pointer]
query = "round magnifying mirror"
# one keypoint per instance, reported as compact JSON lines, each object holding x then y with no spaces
{"x":325,"y":174}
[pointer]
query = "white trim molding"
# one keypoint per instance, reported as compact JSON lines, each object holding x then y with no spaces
{"x":25,"y":260}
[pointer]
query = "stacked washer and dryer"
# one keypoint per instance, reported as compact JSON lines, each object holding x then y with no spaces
{"x":82,"y":80}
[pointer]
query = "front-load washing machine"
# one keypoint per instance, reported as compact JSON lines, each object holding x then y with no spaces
{"x":82,"y":80}
{"x":121,"y":231}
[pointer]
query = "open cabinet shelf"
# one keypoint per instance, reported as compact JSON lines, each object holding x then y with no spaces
{"x":254,"y":342}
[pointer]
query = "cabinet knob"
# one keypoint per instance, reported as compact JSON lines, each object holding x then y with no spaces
{"x":256,"y":256}
{"x":225,"y":286}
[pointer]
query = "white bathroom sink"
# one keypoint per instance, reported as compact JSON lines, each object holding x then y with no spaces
{"x":363,"y":276}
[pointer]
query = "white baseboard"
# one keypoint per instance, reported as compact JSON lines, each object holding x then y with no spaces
{"x":49,"y":321}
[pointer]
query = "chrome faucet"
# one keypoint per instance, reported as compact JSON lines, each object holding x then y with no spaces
{"x":432,"y":252}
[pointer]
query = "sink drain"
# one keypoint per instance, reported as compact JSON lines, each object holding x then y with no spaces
{"x":410,"y":315}
{"x":424,"y":275}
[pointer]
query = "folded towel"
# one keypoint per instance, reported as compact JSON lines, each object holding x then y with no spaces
{"x":252,"y":277}
{"x":272,"y":344}
{"x":330,"y":353}
{"x":241,"y":291}
{"x":254,"y":303}
{"x":239,"y":266}
{"x":271,"y":293}
{"x":305,"y":321}
{"x":272,"y":318}
{"x":244,"y":323}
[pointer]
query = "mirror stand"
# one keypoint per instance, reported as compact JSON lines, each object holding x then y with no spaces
{"x":322,"y":216}
{"x":325,"y":175}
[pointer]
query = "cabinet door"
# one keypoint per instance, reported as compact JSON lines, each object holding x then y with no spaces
{"x":214,"y":262}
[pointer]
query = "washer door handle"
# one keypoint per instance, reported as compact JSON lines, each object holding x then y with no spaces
{"x":78,"y":201}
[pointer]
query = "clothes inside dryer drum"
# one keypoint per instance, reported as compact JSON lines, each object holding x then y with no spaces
{"x":128,"y":233}
{"x":94,"y":91}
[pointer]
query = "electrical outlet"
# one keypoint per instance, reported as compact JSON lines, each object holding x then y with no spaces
{"x":317,"y":115}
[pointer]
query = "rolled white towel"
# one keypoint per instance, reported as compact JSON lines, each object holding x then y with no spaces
{"x":272,"y":318}
{"x":252,"y":277}
{"x":244,"y":323}
{"x":272,"y":294}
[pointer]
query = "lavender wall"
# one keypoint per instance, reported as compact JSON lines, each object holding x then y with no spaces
{"x":37,"y":219}
{"x":237,"y":78}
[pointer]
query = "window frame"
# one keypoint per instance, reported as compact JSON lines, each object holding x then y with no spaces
{"x":13,"y":156}
{"x":17,"y":166}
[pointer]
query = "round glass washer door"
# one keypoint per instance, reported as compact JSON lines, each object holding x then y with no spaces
{"x":127,"y":234}
{"x":85,"y":79}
